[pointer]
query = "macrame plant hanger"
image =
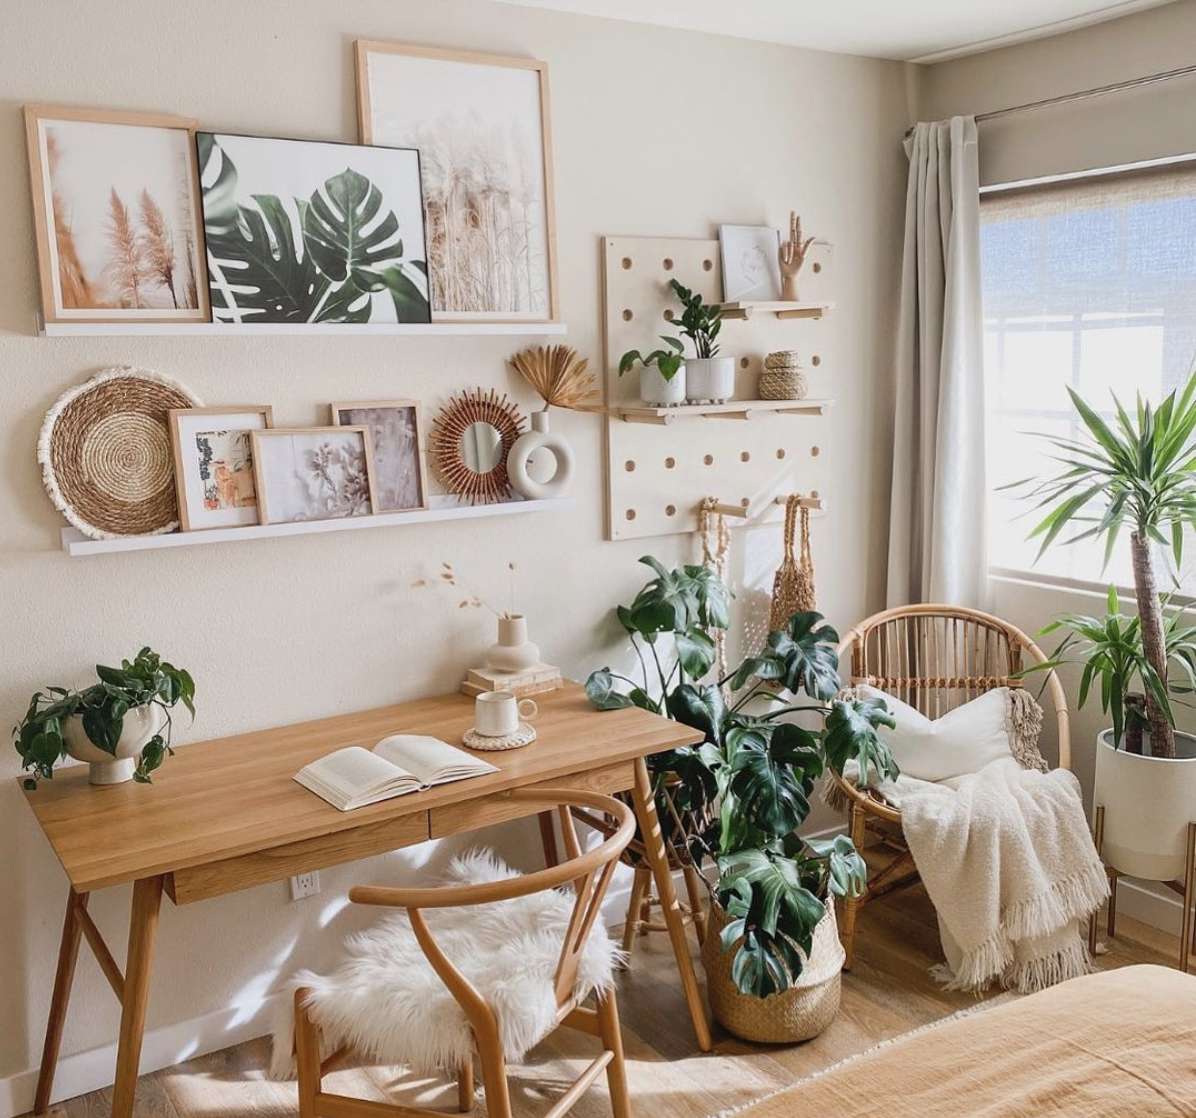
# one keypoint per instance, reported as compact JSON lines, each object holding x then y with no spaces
{"x":716,"y":543}
{"x":793,"y":584}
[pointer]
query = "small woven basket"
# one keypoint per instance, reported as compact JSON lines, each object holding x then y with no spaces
{"x":793,"y":584}
{"x":799,"y":1013}
{"x":783,"y":377}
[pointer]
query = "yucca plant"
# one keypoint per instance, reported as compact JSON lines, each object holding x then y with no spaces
{"x":1138,"y":473}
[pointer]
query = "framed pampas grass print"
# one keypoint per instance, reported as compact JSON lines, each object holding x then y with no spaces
{"x":117,"y":215}
{"x":313,"y":473}
{"x":395,"y":437}
{"x":481,"y":124}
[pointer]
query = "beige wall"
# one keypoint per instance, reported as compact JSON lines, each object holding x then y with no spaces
{"x":1097,"y":132}
{"x":656,"y":132}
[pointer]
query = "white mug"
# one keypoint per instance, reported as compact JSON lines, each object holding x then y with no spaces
{"x":497,"y":713}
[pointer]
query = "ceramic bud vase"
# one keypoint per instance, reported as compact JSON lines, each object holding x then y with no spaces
{"x":140,"y":724}
{"x":657,"y":391}
{"x":513,"y":652}
{"x":709,"y":380}
{"x":541,"y":442}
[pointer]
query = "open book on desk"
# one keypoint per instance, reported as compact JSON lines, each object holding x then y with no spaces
{"x":354,"y":776}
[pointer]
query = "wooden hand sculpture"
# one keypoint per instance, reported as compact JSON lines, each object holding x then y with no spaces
{"x":792,"y":256}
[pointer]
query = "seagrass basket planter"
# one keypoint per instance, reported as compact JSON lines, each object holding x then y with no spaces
{"x":799,"y":1013}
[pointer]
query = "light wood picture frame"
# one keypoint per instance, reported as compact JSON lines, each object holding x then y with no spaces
{"x":213,"y":464}
{"x":397,"y":444}
{"x":418,"y":96}
{"x":313,"y":473}
{"x":116,"y":214}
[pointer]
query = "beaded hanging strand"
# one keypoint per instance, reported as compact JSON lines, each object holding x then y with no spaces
{"x":716,"y":543}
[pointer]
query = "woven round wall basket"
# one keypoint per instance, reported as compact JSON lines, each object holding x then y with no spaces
{"x":106,"y":457}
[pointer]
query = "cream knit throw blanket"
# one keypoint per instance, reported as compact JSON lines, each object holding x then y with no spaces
{"x":1011,"y":869}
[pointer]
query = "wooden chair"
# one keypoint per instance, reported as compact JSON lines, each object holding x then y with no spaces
{"x":589,"y":874}
{"x":933,"y":658}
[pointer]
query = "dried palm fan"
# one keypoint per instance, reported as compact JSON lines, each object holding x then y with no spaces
{"x":557,"y":373}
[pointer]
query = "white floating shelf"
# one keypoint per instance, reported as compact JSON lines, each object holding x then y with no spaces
{"x":343,"y":329}
{"x":781,"y":310}
{"x":75,"y":543}
{"x":733,"y":409}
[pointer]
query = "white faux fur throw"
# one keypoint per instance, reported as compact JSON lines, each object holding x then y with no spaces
{"x":388,"y":1005}
{"x":1011,"y":869}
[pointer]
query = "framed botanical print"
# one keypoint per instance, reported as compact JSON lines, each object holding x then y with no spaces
{"x":481,"y":123}
{"x":303,"y":231}
{"x":116,"y":213}
{"x":394,"y":427}
{"x":213,"y":464}
{"x":313,"y":473}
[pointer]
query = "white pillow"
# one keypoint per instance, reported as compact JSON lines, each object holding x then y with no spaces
{"x":964,"y":740}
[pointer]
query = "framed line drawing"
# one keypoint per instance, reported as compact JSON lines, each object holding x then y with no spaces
{"x":481,"y":124}
{"x":117,"y":215}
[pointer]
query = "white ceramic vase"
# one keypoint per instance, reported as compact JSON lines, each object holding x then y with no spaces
{"x":709,"y":380}
{"x":140,"y":724}
{"x":657,"y":391}
{"x":513,"y":652}
{"x":541,"y":442}
{"x":1148,"y":802}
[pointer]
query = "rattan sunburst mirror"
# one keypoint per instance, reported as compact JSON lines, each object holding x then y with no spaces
{"x":469,"y":442}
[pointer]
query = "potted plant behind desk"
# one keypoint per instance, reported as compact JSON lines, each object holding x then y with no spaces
{"x":1136,"y":473}
{"x":733,"y":804}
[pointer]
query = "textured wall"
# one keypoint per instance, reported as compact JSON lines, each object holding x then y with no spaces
{"x":655,"y":133}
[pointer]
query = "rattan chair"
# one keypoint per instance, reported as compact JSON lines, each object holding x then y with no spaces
{"x":589,"y":874}
{"x":933,"y":658}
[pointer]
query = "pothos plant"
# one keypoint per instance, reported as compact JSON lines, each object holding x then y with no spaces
{"x":146,"y":679}
{"x":736,"y":800}
{"x":699,"y":321}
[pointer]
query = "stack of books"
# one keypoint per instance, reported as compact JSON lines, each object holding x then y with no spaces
{"x":528,"y":681}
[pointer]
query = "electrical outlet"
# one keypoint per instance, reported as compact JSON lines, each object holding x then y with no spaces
{"x":305,"y":885}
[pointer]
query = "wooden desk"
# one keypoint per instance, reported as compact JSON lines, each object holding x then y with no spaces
{"x":225,"y":815}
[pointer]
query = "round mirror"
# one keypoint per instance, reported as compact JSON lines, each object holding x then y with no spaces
{"x":481,"y":447}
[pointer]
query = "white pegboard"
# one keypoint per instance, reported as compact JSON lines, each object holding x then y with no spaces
{"x":657,"y":475}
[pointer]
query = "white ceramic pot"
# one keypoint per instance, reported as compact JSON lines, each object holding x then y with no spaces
{"x":1148,"y":802}
{"x":542,"y":443}
{"x":141,"y":724}
{"x":513,"y":652}
{"x":657,"y":391}
{"x":709,"y":379}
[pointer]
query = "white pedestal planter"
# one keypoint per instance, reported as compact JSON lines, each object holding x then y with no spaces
{"x":1148,"y":802}
{"x":657,"y":391}
{"x":709,"y":380}
{"x":140,"y":724}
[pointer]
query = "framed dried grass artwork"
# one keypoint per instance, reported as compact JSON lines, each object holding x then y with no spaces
{"x":116,"y":213}
{"x":213,"y":464}
{"x":313,"y":473}
{"x":307,"y":231}
{"x":395,"y":437}
{"x":481,"y":123}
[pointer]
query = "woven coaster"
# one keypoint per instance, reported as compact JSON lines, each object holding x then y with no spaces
{"x":106,"y":457}
{"x":525,"y":735}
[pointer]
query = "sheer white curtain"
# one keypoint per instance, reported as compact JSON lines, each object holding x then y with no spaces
{"x":937,"y":532}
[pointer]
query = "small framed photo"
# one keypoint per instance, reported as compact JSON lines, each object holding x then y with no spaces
{"x":751,"y":267}
{"x":396,"y":438}
{"x":213,"y":464}
{"x":313,"y":473}
{"x":117,"y":215}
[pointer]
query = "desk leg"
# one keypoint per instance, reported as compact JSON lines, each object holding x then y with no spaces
{"x":68,"y":953}
{"x":143,"y":924}
{"x":645,"y":810}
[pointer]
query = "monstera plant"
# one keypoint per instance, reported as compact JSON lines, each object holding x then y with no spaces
{"x":315,"y":259}
{"x":736,"y":800}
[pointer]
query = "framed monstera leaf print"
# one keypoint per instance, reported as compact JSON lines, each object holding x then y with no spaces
{"x":302,"y":231}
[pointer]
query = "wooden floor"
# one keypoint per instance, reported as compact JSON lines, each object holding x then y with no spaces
{"x":888,"y":993}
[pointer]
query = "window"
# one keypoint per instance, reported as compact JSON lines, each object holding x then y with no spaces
{"x":1091,"y":283}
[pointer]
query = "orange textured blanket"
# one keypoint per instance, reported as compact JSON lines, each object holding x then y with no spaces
{"x":1112,"y":1045}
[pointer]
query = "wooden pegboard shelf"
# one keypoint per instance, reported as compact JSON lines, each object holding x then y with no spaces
{"x":779,"y":310}
{"x":732,"y":409}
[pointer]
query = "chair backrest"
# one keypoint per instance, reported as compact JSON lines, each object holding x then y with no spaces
{"x":589,"y":873}
{"x":937,"y":657}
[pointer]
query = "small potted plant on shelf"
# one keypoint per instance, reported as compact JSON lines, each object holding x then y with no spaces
{"x":121,"y":725}
{"x":709,"y":379}
{"x":1137,"y":472}
{"x":662,"y":372}
{"x":733,"y":804}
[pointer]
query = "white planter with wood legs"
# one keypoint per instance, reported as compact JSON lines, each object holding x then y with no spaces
{"x":657,"y":391}
{"x":709,"y":379}
{"x":1148,"y":802}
